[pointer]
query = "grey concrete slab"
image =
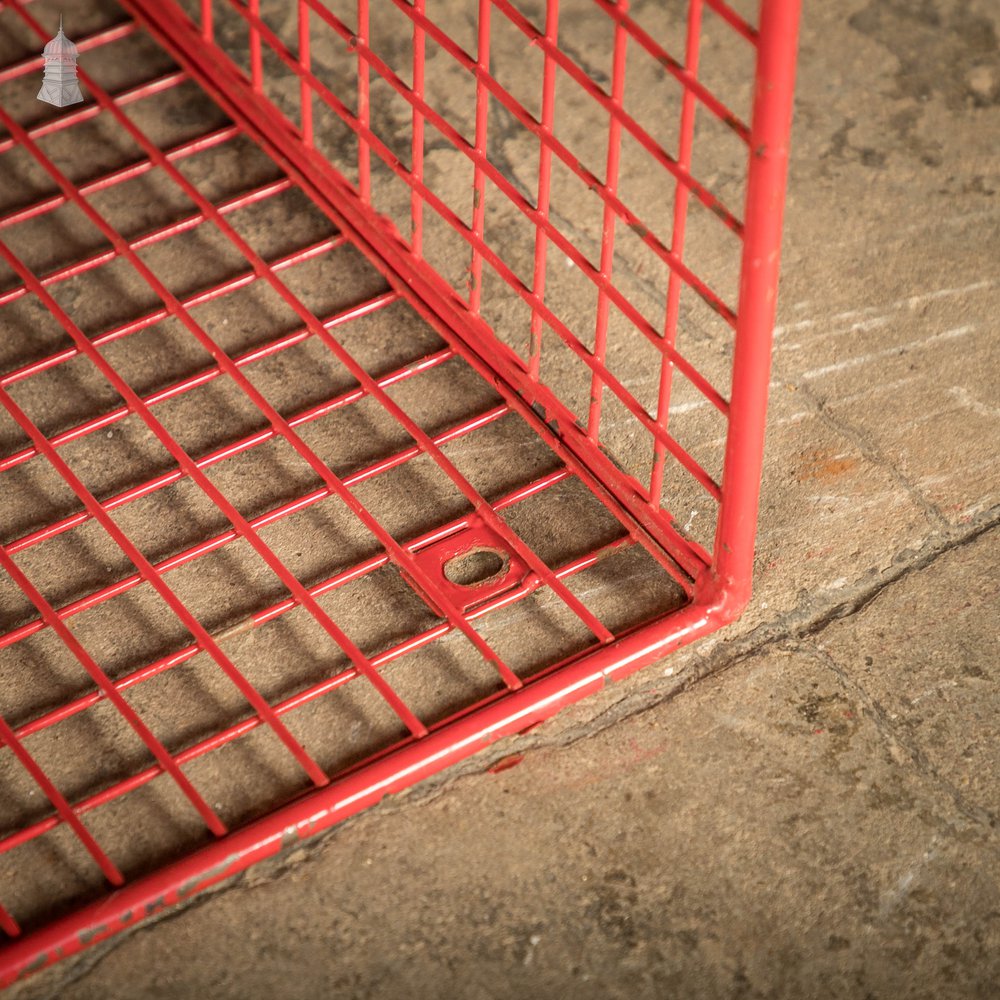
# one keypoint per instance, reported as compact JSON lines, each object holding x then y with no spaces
{"x":922,"y":652}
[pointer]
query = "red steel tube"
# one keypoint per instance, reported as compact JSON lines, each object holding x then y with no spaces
{"x":765,"y":197}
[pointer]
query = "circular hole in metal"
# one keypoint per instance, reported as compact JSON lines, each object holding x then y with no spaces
{"x":476,"y":567}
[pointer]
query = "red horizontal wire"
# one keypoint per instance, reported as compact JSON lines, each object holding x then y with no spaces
{"x":676,"y":69}
{"x":91,"y":109}
{"x":84,"y":44}
{"x":199,"y":144}
{"x":239,"y":201}
{"x":157,"y":315}
{"x":734,"y":20}
{"x":576,"y":72}
{"x":65,"y":812}
{"x":8,"y":924}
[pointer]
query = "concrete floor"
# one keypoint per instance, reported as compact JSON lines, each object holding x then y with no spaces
{"x":805,"y":804}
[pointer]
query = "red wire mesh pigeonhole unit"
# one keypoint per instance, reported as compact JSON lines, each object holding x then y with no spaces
{"x":378,"y":378}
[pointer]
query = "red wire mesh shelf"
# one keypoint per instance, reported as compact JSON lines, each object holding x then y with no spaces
{"x":377,"y":380}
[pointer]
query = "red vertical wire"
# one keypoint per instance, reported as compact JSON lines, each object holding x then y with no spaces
{"x":417,"y":167}
{"x":103,"y":682}
{"x":609,"y":222}
{"x":256,"y":56}
{"x":544,"y":186}
{"x":111,"y":872}
{"x":364,"y":106}
{"x":305,"y":61}
{"x":478,"y":178}
{"x":207,"y":22}
{"x":689,"y":109}
{"x":8,"y":924}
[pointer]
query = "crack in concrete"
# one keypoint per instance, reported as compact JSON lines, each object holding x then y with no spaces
{"x":796,"y":626}
{"x":863,"y":442}
{"x":893,"y":734}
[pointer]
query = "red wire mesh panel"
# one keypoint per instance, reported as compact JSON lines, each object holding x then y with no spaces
{"x":376,"y":380}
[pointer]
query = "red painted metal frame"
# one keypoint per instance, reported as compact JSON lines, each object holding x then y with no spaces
{"x":717,"y":584}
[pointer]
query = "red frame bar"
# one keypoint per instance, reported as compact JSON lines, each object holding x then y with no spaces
{"x":732,"y":575}
{"x":305,"y":817}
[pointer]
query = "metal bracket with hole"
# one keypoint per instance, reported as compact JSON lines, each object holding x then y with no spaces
{"x":442,"y":559}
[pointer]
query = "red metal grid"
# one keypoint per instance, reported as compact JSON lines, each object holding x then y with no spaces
{"x":716,"y":582}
